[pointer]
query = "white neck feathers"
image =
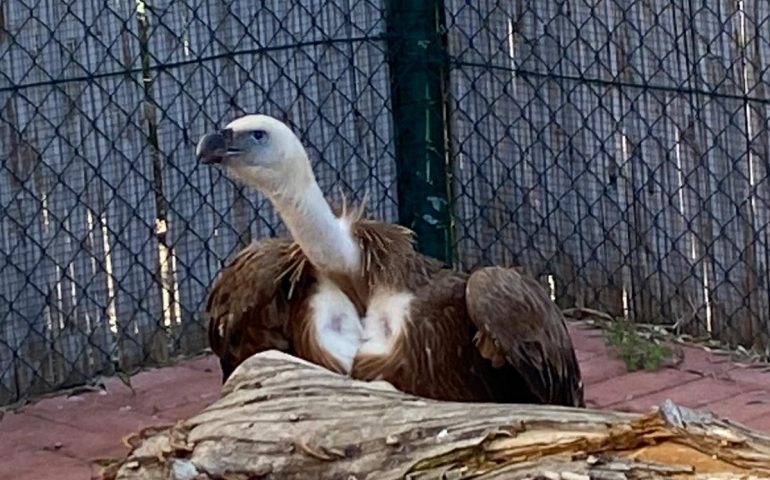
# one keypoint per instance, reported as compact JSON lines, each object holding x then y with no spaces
{"x":326,"y":240}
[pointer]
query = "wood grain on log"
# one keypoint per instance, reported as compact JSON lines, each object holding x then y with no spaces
{"x":280,"y":417}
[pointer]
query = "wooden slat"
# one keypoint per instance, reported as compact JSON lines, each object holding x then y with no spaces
{"x":760,"y":16}
{"x":722,"y":137}
{"x":755,"y":21}
{"x":653,"y":36}
{"x":25,"y":285}
{"x":65,"y":213}
{"x":229,"y":203}
{"x":61,"y":129}
{"x":694,"y":198}
{"x":90,"y":140}
{"x":189,"y":100}
{"x":215,"y":97}
{"x":461,"y":23}
{"x":83,"y":345}
{"x":692,"y":317}
{"x":71,"y":341}
{"x":519,"y":169}
{"x":12,"y":277}
{"x":563,"y":159}
{"x":372,"y":135}
{"x":757,"y":53}
{"x":130,"y":201}
{"x":681,"y":290}
{"x":595,"y":145}
{"x":494,"y":119}
{"x":35,"y":112}
{"x":124,"y":292}
{"x":480,"y":147}
{"x":535,"y":151}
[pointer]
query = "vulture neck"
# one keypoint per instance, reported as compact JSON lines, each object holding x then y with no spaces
{"x":325,"y":239}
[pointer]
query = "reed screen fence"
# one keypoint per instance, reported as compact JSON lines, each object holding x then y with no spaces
{"x":618,"y":149}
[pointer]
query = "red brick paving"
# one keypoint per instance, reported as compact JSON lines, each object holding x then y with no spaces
{"x":748,"y":407}
{"x":60,"y":437}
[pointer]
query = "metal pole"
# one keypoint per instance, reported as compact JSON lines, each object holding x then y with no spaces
{"x":418,"y":70}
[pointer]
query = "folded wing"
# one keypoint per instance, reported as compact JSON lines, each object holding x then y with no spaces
{"x":519,"y":325}
{"x":250,"y":303}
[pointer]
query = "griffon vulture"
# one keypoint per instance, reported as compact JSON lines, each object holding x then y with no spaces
{"x":352,"y":294}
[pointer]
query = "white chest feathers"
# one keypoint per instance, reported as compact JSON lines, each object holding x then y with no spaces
{"x":344,"y":334}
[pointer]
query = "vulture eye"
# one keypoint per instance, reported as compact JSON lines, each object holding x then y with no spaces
{"x":259,"y":135}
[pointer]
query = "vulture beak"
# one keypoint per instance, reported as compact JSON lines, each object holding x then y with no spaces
{"x":214,"y":147}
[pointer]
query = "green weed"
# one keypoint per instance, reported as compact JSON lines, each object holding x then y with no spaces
{"x":636,"y":351}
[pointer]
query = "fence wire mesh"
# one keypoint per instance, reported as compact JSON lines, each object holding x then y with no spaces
{"x":619,"y":149}
{"x":111,"y":234}
{"x":616,"y":148}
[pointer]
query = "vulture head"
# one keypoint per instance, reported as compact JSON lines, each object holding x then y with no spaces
{"x":263,"y":153}
{"x":260,"y":151}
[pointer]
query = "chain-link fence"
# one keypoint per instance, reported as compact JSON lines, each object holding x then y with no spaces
{"x":111,"y":233}
{"x":616,"y":148}
{"x":620,"y":147}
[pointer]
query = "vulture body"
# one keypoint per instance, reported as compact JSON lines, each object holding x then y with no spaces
{"x":353,"y":295}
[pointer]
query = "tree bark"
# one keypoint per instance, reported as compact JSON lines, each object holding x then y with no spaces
{"x":280,"y":417}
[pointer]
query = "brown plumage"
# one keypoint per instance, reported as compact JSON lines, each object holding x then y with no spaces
{"x":353,"y":295}
{"x":494,"y":335}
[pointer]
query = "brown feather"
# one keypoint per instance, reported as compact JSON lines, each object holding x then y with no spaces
{"x":518,"y":321}
{"x":250,"y":303}
{"x":490,"y":336}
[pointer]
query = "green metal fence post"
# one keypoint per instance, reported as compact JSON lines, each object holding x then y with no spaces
{"x":416,"y":55}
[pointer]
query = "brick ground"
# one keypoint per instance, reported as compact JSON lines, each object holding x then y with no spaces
{"x":62,"y":437}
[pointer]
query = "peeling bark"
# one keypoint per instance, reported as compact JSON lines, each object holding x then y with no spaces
{"x":282,"y":418}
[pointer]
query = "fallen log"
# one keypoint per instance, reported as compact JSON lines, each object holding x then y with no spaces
{"x":280,"y":417}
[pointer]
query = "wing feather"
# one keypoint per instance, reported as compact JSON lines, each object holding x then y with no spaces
{"x":518,"y":322}
{"x":250,"y":303}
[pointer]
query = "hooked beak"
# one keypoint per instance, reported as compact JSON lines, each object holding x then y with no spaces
{"x":213,"y":147}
